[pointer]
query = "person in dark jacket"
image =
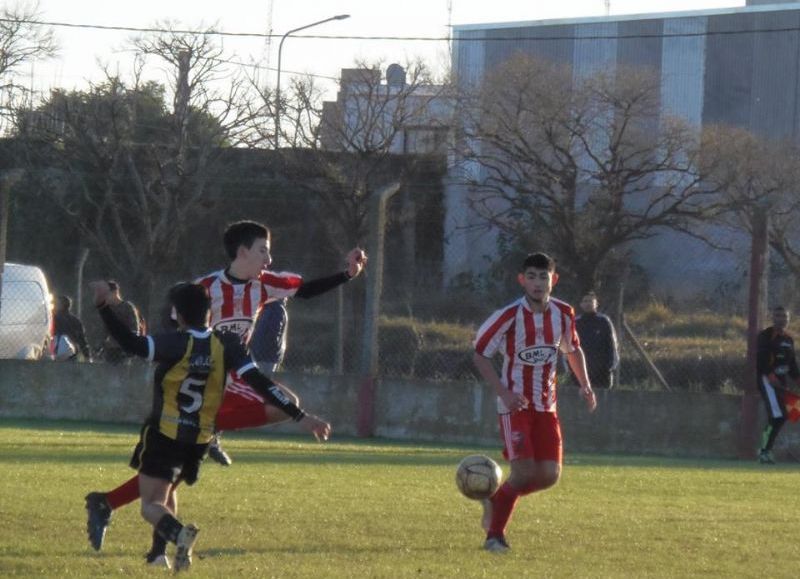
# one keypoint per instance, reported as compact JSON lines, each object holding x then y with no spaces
{"x":775,"y":365}
{"x":67,"y":324}
{"x":599,"y":342}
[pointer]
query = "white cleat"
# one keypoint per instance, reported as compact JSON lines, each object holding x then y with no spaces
{"x":185,"y":544}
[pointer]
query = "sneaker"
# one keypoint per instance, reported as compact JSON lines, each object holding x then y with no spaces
{"x":765,"y":457}
{"x":99,"y":516}
{"x":185,"y":544}
{"x":159,"y":560}
{"x":486,"y":519}
{"x":217,"y":454}
{"x":496,"y":545}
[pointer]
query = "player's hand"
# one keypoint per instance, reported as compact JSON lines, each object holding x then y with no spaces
{"x":514,"y":401}
{"x":102,"y":291}
{"x":356,"y":261}
{"x":589,"y":397}
{"x":316,"y":426}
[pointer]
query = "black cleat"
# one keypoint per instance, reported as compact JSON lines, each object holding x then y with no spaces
{"x":217,"y":454}
{"x":765,"y":457}
{"x":99,"y":517}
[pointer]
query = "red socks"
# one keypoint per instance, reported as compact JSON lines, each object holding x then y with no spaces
{"x":124,"y":494}
{"x":503,"y":503}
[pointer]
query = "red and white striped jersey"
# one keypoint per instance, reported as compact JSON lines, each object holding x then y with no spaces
{"x":234,"y":305}
{"x":529,"y":342}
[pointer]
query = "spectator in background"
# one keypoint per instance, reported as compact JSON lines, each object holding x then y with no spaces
{"x":129,"y":315}
{"x":68,"y":332}
{"x":775,"y":364}
{"x":599,"y":342}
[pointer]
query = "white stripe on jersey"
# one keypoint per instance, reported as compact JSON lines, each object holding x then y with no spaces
{"x":529,"y":343}
{"x":234,"y":305}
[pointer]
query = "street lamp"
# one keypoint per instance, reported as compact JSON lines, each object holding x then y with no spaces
{"x":278,"y":81}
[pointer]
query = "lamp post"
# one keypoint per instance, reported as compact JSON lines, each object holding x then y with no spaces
{"x":278,"y":81}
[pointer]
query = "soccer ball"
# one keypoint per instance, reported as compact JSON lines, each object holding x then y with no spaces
{"x":478,"y":477}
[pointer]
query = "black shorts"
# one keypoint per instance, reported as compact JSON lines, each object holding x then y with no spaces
{"x":161,"y":457}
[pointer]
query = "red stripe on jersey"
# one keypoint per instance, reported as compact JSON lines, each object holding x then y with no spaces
{"x":247,"y":302}
{"x":483,"y":341}
{"x":509,"y":356}
{"x":227,"y":301}
{"x":207,"y":281}
{"x":285,"y":281}
{"x":548,"y":375}
{"x":530,"y":340}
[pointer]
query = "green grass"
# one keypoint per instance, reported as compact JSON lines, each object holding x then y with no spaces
{"x":292,"y":508}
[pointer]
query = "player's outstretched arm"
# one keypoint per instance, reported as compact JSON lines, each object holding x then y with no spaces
{"x":355,"y":262}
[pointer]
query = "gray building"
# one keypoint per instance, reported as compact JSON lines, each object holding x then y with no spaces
{"x":736,"y":66}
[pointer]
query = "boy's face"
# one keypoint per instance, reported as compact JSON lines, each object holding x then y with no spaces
{"x":255,"y":258}
{"x":780,"y":319}
{"x":589,"y":304}
{"x":537,"y":283}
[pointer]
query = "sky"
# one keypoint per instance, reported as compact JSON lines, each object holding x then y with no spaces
{"x":82,"y":50}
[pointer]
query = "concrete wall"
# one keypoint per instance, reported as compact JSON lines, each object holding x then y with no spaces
{"x":659,"y":423}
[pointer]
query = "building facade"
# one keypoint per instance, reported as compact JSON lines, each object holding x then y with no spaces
{"x":737,"y":66}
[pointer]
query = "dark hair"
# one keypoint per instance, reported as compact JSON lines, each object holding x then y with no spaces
{"x":191,"y":301}
{"x":64,"y":302}
{"x":590,"y":294}
{"x":112,"y":285}
{"x":243,"y":233}
{"x":539,"y":261}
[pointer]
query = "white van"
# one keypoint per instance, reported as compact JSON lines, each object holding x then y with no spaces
{"x":25,"y":313}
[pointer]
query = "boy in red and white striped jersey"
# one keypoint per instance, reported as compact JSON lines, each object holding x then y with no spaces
{"x":246,"y":288}
{"x":529,"y":333}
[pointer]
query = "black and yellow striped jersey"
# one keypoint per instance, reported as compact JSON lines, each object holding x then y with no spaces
{"x":190,"y":381}
{"x":190,"y":378}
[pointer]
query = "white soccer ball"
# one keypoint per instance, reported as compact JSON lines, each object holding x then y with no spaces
{"x":478,"y":477}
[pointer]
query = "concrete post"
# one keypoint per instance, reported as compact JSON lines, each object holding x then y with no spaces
{"x":369,"y":351}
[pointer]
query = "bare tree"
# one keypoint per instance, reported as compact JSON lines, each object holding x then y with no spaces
{"x":354,"y":139}
{"x":580,"y":167}
{"x":137,"y":171}
{"x":757,"y":179}
{"x":22,"y":41}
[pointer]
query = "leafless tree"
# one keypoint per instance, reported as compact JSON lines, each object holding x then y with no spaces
{"x":134,"y":172}
{"x":22,"y":41}
{"x":757,"y":179}
{"x":581,"y":167}
{"x":353,"y":140}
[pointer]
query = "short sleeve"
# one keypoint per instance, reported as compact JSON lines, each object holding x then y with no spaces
{"x":279,"y":285}
{"x":570,"y":340}
{"x":490,"y":334}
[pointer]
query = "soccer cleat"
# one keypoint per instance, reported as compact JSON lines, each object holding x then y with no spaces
{"x":486,"y":519}
{"x":158,"y":560}
{"x":765,"y":457}
{"x":217,"y":454}
{"x":185,"y":544}
{"x":99,"y":516}
{"x":496,"y":545}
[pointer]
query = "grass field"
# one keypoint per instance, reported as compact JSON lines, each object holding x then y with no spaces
{"x":292,"y":508}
